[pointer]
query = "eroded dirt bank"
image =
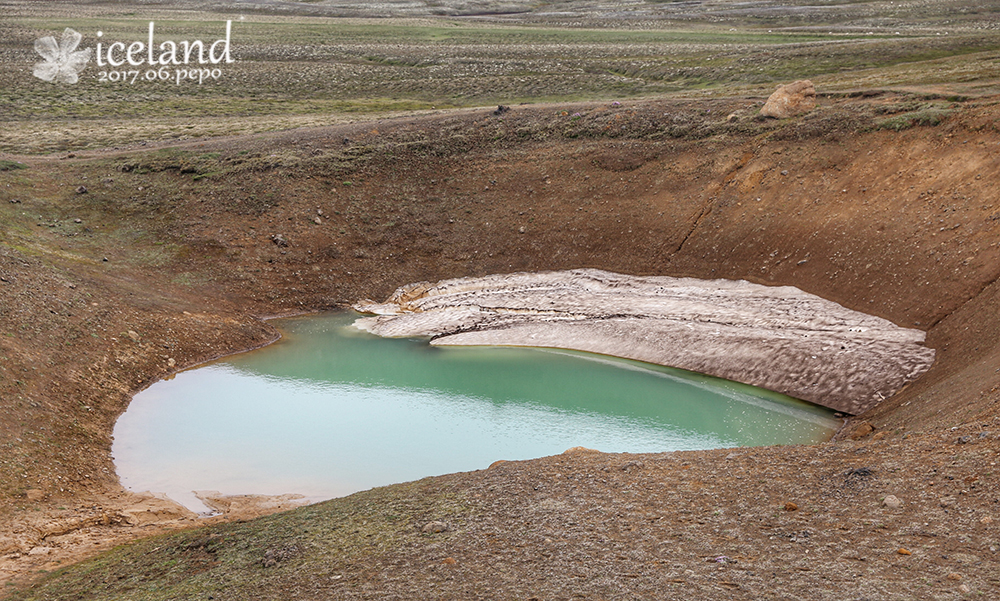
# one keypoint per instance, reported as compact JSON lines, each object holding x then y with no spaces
{"x":118,"y":268}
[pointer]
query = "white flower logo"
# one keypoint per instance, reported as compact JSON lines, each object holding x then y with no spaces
{"x":63,"y":62}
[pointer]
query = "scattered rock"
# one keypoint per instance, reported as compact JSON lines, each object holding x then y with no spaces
{"x":521,"y":230}
{"x":789,"y":506}
{"x":435,"y":527}
{"x":732,"y":118}
{"x":903,"y":551}
{"x":152,"y":508}
{"x":279,"y":240}
{"x":14,"y":201}
{"x":171,"y":362}
{"x":964,"y":589}
{"x":67,"y":525}
{"x":133,"y":335}
{"x":274,"y":556}
{"x":954,"y":576}
{"x":78,"y":221}
{"x":892,"y":502}
{"x":81,"y":190}
{"x":859,"y":473}
{"x":249,"y":506}
{"x":501,"y":109}
{"x":33,"y":494}
{"x":449,"y":561}
{"x":790,"y":100}
{"x":317,"y":220}
{"x":47,"y":550}
{"x":861,"y":430}
{"x":9,"y":546}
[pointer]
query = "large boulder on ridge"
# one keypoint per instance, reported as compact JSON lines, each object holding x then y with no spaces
{"x":790,"y":100}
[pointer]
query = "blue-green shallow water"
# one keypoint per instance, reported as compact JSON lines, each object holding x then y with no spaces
{"x":329,"y":410}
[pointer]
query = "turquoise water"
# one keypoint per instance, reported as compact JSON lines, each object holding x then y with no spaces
{"x":329,"y":410}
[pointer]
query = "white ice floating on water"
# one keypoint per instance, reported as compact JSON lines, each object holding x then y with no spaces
{"x":774,"y":337}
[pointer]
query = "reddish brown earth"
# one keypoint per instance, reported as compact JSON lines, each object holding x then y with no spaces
{"x":904,"y":225}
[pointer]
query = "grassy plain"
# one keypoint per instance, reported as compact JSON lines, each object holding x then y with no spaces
{"x":308,"y":69}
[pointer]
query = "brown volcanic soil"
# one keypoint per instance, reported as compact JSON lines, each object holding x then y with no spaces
{"x":900,"y":224}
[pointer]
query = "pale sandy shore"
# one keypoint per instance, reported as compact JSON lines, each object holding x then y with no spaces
{"x":779,"y":338}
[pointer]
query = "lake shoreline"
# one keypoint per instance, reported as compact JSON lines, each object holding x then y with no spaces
{"x":333,"y":411}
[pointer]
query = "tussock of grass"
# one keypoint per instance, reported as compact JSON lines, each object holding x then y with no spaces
{"x":928,"y":116}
